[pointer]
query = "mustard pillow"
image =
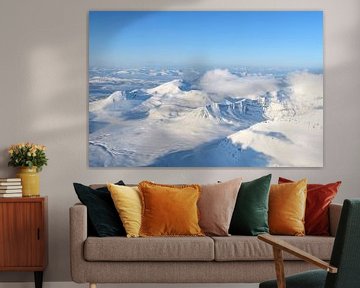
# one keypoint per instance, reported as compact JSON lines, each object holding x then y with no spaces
{"x":127,"y":201}
{"x":287,"y":204}
{"x":169,"y":210}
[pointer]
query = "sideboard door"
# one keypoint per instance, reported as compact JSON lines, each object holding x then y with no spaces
{"x":21,"y":235}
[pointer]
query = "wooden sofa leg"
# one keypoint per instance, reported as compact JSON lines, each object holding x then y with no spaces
{"x":92,"y":285}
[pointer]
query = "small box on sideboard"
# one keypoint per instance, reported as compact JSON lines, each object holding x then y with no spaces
{"x":10,"y":187}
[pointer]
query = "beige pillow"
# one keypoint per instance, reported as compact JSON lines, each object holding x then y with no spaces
{"x":216,"y":206}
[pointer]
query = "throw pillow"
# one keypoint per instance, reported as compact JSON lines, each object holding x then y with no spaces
{"x":287,"y":204}
{"x":102,"y":215}
{"x":216,"y":206}
{"x":319,"y":197}
{"x":127,"y":201}
{"x":169,"y":210}
{"x":250,"y":215}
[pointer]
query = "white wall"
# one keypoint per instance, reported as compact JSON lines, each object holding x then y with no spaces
{"x":43,"y":88}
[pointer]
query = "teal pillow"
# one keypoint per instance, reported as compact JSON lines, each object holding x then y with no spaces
{"x":250,"y":216}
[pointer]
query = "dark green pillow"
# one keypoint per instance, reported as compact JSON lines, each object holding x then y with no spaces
{"x":103,"y":218}
{"x":250,"y":216}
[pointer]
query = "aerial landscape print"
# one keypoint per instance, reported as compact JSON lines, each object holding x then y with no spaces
{"x":205,"y":89}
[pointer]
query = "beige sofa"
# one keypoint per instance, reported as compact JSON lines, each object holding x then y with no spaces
{"x":234,"y":259}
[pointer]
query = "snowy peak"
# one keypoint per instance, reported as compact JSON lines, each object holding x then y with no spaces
{"x":170,"y":95}
{"x":171,"y":87}
{"x":232,"y":112}
{"x":111,"y":101}
{"x":200,"y":113}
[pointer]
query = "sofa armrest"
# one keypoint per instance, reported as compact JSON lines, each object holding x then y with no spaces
{"x":284,"y":246}
{"x":78,"y":235}
{"x":334,"y":217}
{"x":279,"y":246}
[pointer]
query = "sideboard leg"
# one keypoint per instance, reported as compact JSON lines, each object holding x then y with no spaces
{"x":92,"y":285}
{"x":38,"y":279}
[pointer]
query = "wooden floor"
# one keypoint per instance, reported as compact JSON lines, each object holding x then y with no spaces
{"x":74,"y":285}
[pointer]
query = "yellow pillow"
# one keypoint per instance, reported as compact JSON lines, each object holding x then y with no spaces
{"x":169,"y":210}
{"x":287,"y":204}
{"x":127,"y":201}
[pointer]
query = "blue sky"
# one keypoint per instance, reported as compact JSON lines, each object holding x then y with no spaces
{"x":237,"y":38}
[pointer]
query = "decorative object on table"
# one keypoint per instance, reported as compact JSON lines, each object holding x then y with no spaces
{"x":10,"y":187}
{"x":221,"y":89}
{"x":30,"y":158}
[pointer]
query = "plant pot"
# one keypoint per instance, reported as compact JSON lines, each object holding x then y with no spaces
{"x":30,"y":181}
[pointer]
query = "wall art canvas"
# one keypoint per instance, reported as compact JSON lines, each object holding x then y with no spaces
{"x":205,"y":89}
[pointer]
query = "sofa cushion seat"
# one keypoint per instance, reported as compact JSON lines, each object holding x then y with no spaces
{"x":149,"y":249}
{"x":249,"y":248}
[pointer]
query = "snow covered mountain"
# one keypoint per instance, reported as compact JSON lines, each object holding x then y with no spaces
{"x":265,"y":122}
{"x":169,"y":101}
{"x":112,"y":102}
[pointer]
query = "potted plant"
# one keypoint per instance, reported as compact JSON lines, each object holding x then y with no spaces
{"x":30,"y":158}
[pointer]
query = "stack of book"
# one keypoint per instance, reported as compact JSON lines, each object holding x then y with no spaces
{"x":10,"y":187}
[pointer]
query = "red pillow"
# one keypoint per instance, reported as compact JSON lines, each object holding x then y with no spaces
{"x":319,"y":197}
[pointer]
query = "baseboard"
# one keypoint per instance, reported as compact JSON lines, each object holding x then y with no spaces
{"x":74,"y":285}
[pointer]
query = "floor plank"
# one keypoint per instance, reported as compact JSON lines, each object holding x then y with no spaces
{"x":74,"y":285}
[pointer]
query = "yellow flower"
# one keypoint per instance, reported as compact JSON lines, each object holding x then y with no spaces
{"x":28,"y":154}
{"x":41,"y":147}
{"x":11,"y":151}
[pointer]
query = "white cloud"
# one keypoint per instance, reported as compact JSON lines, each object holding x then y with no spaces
{"x":306,"y":90}
{"x":221,"y":83}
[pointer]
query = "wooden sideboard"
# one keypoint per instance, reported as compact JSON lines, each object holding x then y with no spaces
{"x":23,"y":235}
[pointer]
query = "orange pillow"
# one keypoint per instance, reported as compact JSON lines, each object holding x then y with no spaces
{"x":169,"y":210}
{"x":287,"y":204}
